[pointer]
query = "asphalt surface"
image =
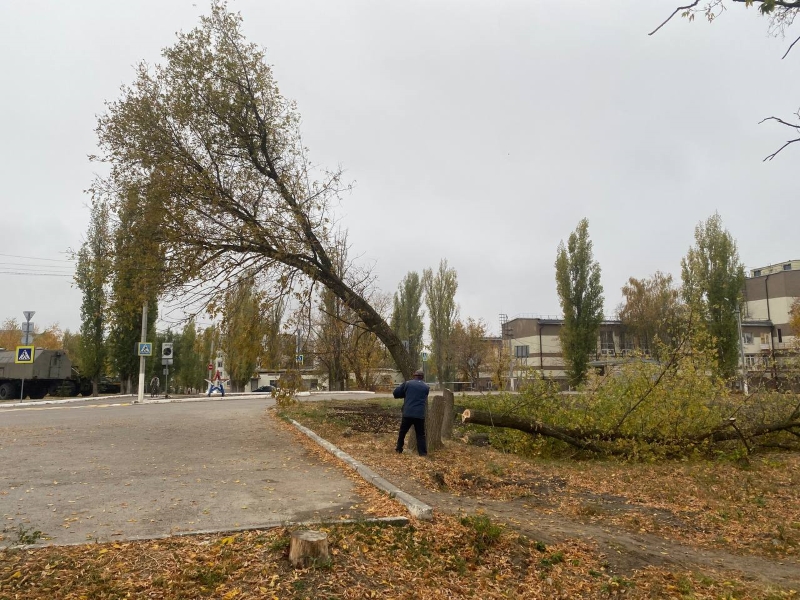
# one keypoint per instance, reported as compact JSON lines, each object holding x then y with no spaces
{"x":94,"y":471}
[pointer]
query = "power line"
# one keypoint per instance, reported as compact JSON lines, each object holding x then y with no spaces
{"x":35,"y":274}
{"x":33,"y":266}
{"x":37,"y":258}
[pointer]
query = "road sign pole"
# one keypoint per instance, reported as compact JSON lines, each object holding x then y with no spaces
{"x":28,"y":316}
{"x":140,"y":397}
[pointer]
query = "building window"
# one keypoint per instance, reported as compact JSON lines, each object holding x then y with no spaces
{"x":780,"y":336}
{"x":787,"y":267}
{"x":626,"y":342}
{"x":522,"y":351}
{"x":750,"y":361}
{"x":765,"y":339}
{"x":747,"y":337}
{"x":606,"y":342}
{"x":757,"y":273}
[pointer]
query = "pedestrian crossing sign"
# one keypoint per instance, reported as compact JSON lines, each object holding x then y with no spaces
{"x":144,"y":349}
{"x":24,"y":355}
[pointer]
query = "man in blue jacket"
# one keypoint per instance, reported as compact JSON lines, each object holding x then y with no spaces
{"x":415,"y":392}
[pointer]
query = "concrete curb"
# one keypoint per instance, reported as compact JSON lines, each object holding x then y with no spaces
{"x":394,"y":521}
{"x":416,"y":507}
{"x":58,"y":401}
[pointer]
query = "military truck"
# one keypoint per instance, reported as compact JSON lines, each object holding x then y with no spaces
{"x":49,"y":371}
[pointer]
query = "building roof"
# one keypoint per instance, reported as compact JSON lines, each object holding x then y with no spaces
{"x":788,"y":265}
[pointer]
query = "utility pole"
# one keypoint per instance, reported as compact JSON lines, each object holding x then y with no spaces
{"x":140,"y":397}
{"x":741,"y":352}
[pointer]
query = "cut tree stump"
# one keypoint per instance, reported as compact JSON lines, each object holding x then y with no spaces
{"x":433,"y":424}
{"x":307,"y":545}
{"x":434,"y":413}
{"x":449,"y":415}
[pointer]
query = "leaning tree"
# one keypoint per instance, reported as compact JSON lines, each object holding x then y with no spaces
{"x":208,"y":136}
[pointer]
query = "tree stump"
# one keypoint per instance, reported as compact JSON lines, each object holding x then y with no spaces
{"x":308,"y":545}
{"x":433,"y":424}
{"x":434,"y":413}
{"x":449,"y":415}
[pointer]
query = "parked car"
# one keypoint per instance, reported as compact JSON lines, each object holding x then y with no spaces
{"x":266,"y":389}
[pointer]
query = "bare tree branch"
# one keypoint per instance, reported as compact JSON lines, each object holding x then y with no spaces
{"x":788,"y":143}
{"x":797,"y":39}
{"x":675,"y":12}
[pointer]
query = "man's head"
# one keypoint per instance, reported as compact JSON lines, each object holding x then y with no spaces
{"x":419,"y":374}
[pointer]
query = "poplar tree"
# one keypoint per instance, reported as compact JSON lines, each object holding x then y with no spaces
{"x":581,"y":295}
{"x":440,"y":293}
{"x":713,"y":280}
{"x":92,"y":272}
{"x":407,"y":313}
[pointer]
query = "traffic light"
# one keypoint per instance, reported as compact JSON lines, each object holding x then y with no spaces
{"x":166,"y":350}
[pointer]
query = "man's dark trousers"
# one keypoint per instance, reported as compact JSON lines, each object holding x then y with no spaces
{"x":419,"y":430}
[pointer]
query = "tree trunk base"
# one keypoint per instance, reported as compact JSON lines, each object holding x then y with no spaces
{"x":307,"y":546}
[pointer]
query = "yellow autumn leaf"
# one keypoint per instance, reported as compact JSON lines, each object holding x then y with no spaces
{"x":227,"y":540}
{"x":17,"y":575}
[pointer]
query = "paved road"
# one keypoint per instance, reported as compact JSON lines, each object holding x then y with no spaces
{"x":81,"y":472}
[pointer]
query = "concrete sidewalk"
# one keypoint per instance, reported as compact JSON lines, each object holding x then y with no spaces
{"x":120,"y":472}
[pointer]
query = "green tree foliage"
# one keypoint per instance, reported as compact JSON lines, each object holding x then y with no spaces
{"x":275,"y":352}
{"x":92,"y":272}
{"x":190,"y":368}
{"x":651,"y":311}
{"x":440,"y":298}
{"x":581,"y":295}
{"x":136,"y":278}
{"x":209,"y":136}
{"x":644,"y":410}
{"x":713,"y":280}
{"x":407,"y":314}
{"x":242,"y":331}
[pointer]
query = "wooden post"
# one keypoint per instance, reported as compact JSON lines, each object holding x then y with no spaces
{"x":307,"y":545}
{"x":449,"y":415}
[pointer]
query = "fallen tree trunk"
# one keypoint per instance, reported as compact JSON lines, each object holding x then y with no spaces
{"x":592,"y":440}
{"x":486,"y":418}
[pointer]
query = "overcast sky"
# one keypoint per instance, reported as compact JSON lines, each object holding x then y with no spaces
{"x":480,"y":132}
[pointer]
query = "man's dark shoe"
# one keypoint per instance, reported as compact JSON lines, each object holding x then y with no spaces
{"x":398,"y":450}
